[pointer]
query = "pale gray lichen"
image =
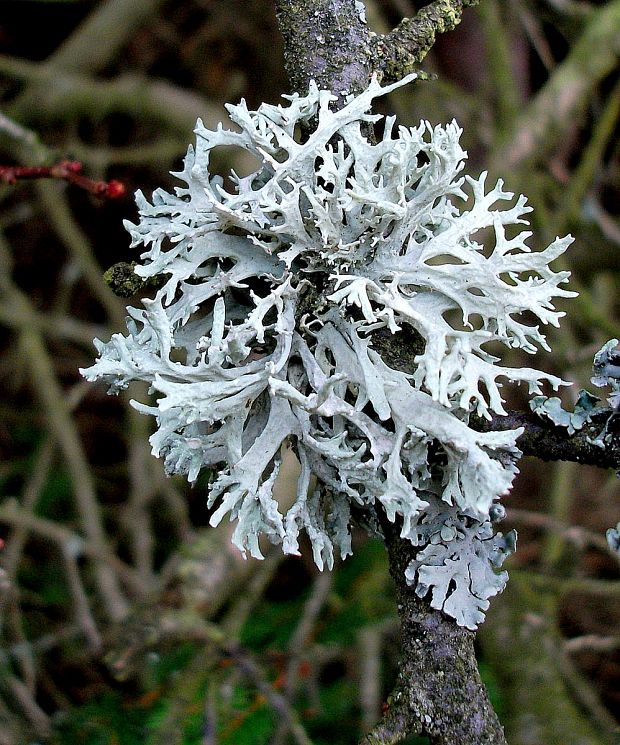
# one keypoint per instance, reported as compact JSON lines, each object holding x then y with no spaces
{"x":551,"y":408}
{"x":613,"y":539}
{"x":238,"y":370}
{"x":606,"y":371}
{"x":457,"y":564}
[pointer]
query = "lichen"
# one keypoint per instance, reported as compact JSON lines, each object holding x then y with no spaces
{"x":277,"y":289}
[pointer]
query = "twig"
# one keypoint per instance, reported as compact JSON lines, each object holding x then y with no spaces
{"x":558,"y":105}
{"x":102,"y":35}
{"x":398,"y":53}
{"x":239,"y":613}
{"x":534,"y":32}
{"x":66,"y":170}
{"x":32,"y":711}
{"x":55,"y":325}
{"x":592,"y":643}
{"x":506,"y":94}
{"x":209,"y":726}
{"x":48,"y":389}
{"x":369,"y":645}
{"x":281,"y":706}
{"x":24,"y":657}
{"x":141,"y":490}
{"x":559,"y":510}
{"x":73,"y":94}
{"x":14,"y":545}
{"x":590,"y":162}
{"x":575,"y":534}
{"x":16,"y":132}
{"x":560,"y":586}
{"x":586,"y":695}
{"x":69,"y":231}
{"x":83,"y":616}
{"x":11,"y":514}
{"x":298,"y":643}
{"x":548,"y":442}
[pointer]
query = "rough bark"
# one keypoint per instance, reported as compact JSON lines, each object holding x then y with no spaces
{"x":326,"y":41}
{"x":398,"y":52}
{"x":438,"y":692}
{"x":549,"y":442}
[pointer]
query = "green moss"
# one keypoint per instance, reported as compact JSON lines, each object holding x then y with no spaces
{"x":124,"y":282}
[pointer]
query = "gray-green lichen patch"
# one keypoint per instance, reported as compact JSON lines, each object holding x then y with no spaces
{"x":338,"y":300}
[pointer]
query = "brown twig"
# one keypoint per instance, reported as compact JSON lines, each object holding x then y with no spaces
{"x":66,"y":170}
{"x":549,"y":442}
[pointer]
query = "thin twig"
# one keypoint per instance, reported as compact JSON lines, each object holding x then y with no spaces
{"x":141,"y":491}
{"x":281,"y":706}
{"x":83,"y":616}
{"x":586,"y":695}
{"x":592,"y":643}
{"x":55,"y":326}
{"x":575,"y":534}
{"x":11,"y":514}
{"x":239,"y":613}
{"x":32,"y":711}
{"x":560,"y":102}
{"x":300,"y":638}
{"x":72,"y":94}
{"x":369,"y":642}
{"x":66,"y":170}
{"x":103,"y":34}
{"x":69,"y":231}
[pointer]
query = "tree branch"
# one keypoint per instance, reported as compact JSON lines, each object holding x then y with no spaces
{"x":327,"y":41}
{"x":438,"y":692}
{"x":398,"y":53}
{"x":548,"y":442}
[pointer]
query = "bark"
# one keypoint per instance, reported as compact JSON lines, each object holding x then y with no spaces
{"x":438,"y":692}
{"x":400,"y":51}
{"x":549,"y":442}
{"x":326,"y":41}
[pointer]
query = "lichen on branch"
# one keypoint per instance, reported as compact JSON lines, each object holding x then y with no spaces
{"x":277,"y":285}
